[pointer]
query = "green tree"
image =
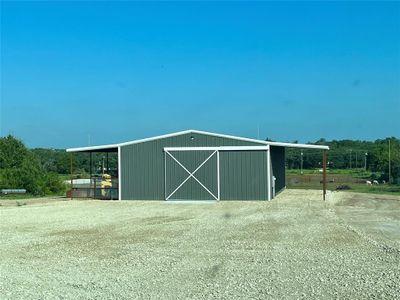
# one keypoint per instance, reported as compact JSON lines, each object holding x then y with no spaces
{"x":21,"y":168}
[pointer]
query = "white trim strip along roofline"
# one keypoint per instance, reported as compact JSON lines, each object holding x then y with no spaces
{"x":79,"y":149}
{"x":304,"y":146}
{"x":293,"y":145}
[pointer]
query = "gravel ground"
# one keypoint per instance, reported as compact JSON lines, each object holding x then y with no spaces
{"x":296,"y":246}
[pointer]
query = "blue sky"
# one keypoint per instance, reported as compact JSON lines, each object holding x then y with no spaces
{"x":118,"y":71}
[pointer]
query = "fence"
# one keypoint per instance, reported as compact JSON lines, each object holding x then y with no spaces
{"x":91,"y":188}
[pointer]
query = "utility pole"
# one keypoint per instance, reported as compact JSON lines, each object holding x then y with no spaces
{"x":350,"y":158}
{"x":72,"y":175}
{"x":389,"y":164}
{"x":301,"y":162}
{"x":324,"y":158}
{"x":365,"y":161}
{"x":356,"y":160}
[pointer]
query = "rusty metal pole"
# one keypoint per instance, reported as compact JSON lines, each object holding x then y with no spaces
{"x":324,"y":173}
{"x":72,"y":179}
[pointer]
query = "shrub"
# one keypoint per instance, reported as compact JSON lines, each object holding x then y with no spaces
{"x":343,"y":187}
{"x":54,"y":184}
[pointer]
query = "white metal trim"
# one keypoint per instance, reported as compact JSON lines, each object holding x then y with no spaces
{"x":129,"y":143}
{"x":229,"y":136}
{"x":119,"y":174}
{"x":269,"y":174}
{"x":221,"y":148}
{"x":165,"y":175}
{"x":191,"y":174}
{"x":305,"y":146}
{"x":218,"y":178}
{"x":156,"y":137}
{"x":311,"y":146}
{"x":92,"y":148}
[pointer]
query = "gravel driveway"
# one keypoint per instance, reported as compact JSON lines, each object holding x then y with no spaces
{"x":296,"y":246}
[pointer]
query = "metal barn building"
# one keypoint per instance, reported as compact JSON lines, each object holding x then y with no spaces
{"x":198,"y":165}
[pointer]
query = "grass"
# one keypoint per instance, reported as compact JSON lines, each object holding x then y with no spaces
{"x":387,"y":189}
{"x":358,"y":173}
{"x":393,"y":189}
{"x":18,"y":196}
{"x":356,"y":183}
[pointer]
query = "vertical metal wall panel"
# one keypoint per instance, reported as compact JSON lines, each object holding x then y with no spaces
{"x":278,"y":167}
{"x":142,"y":167}
{"x":243,"y":175}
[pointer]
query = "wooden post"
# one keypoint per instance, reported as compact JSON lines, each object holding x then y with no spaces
{"x":72,"y":175}
{"x":324,"y":173}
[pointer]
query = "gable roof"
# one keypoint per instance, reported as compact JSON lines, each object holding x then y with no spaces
{"x":103,"y":147}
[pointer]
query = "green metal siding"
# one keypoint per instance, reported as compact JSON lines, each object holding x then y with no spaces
{"x":142,"y":164}
{"x":278,"y":167}
{"x":243,"y":175}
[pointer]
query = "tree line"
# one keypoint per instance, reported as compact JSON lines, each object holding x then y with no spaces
{"x":351,"y":154}
{"x":22,"y":168}
{"x":40,"y":171}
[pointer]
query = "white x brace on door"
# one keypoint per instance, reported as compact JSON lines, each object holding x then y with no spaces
{"x":192,"y":174}
{"x":215,"y":151}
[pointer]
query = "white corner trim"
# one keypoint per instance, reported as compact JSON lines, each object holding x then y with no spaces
{"x":119,"y":174}
{"x":218,"y":178}
{"x":269,"y":174}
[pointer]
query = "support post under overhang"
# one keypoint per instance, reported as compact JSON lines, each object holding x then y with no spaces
{"x":119,"y":175}
{"x":72,"y":175}
{"x":269,"y":179}
{"x":324,"y":158}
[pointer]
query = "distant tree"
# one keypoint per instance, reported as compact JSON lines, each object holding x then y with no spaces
{"x":380,"y":158}
{"x":21,"y":168}
{"x":12,"y":152}
{"x":351,"y":153}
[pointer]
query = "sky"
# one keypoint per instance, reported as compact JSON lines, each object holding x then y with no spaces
{"x":89,"y":73}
